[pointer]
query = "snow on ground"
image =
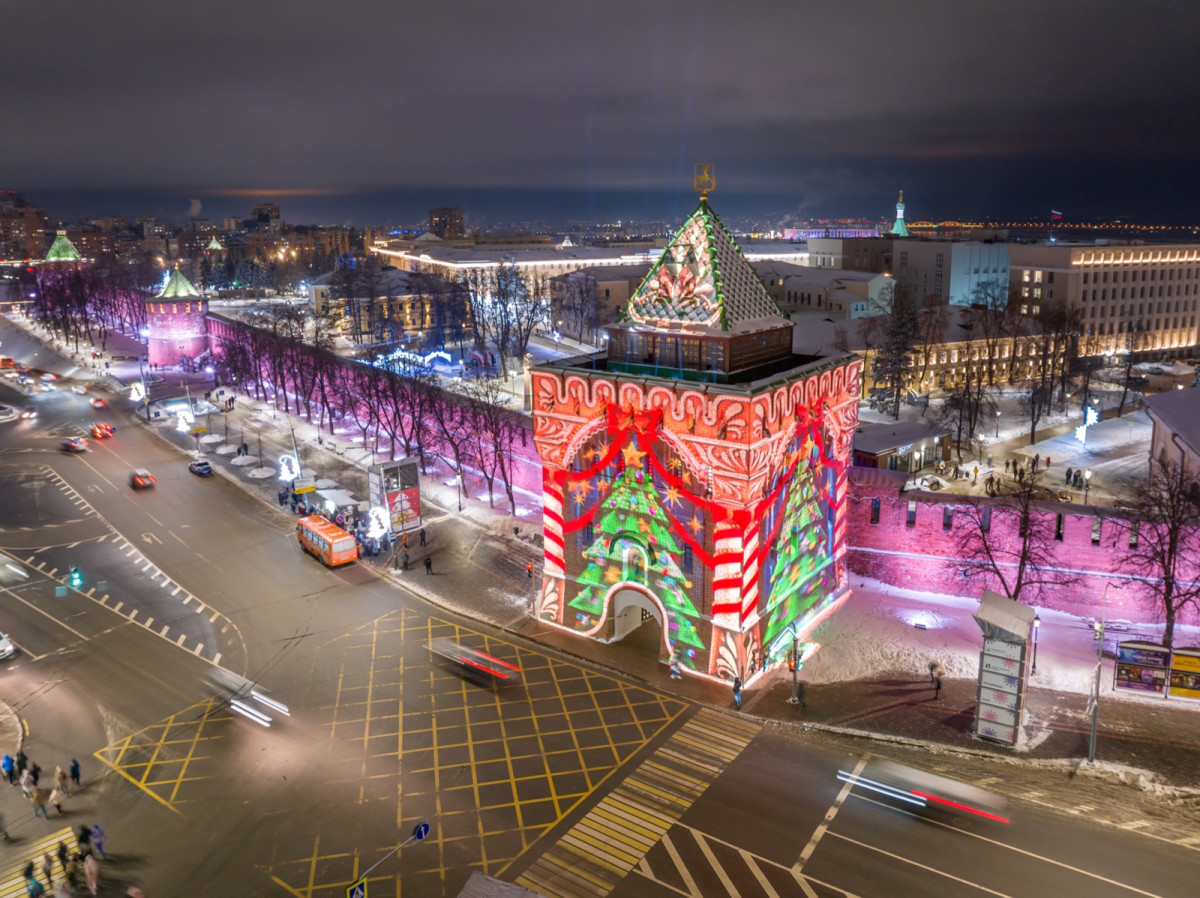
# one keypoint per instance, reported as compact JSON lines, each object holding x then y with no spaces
{"x":879,"y":628}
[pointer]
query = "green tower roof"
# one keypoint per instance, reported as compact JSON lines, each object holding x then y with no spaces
{"x":62,"y":250}
{"x":703,"y":284}
{"x":899,"y":229}
{"x":213,"y":244}
{"x":178,"y":287}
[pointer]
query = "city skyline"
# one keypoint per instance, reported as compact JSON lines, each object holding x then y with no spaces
{"x":591,"y":112}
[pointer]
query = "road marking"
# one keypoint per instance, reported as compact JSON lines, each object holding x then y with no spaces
{"x":823,"y":827}
{"x":680,"y":866}
{"x":913,"y":863}
{"x":1030,"y":854}
{"x":147,"y":623}
{"x":44,"y":613}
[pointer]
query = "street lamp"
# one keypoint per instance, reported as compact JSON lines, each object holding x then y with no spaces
{"x":1098,"y":627}
{"x":997,"y":423}
{"x":1037,"y":625}
{"x":1087,"y":484}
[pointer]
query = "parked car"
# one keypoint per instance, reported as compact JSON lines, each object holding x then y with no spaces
{"x":201,"y":467}
{"x":141,"y":479}
{"x":7,"y":649}
{"x":76,"y":444}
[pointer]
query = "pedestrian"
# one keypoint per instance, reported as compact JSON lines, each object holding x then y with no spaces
{"x":62,"y":781}
{"x":48,"y":868}
{"x":935,"y":670}
{"x":32,"y":886}
{"x":422,"y":536}
{"x":26,"y":782}
{"x":72,"y":872}
{"x":1047,"y":461}
{"x":404,"y":561}
{"x":75,"y":773}
{"x":676,"y":673}
{"x":737,"y":691}
{"x":937,"y":688}
{"x":38,"y":799}
{"x":35,"y":769}
{"x":98,"y":840}
{"x":404,"y":540}
{"x":91,"y":873}
{"x":9,"y":766}
{"x":62,"y":855}
{"x":4,"y":829}
{"x":975,"y":475}
{"x":57,"y":797}
{"x":1006,"y":463}
{"x":428,"y":565}
{"x":529,"y":570}
{"x":22,"y":760}
{"x":1068,"y":476}
{"x":84,"y":838}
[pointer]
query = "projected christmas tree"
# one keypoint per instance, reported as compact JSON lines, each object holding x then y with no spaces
{"x":800,"y":556}
{"x":634,"y":544}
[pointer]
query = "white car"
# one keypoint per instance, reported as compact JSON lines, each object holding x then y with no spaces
{"x":7,"y":649}
{"x":79,"y":388}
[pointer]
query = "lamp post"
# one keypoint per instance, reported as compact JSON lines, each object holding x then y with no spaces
{"x":1087,"y":484}
{"x":1037,"y":625}
{"x":997,"y":423}
{"x":1098,"y":627}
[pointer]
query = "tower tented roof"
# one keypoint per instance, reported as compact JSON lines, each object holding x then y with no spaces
{"x":177,"y":287}
{"x":703,"y":284}
{"x":62,"y":250}
{"x":214,"y":245}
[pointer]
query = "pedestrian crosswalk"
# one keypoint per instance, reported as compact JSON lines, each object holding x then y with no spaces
{"x":613,"y":838}
{"x":23,"y":850}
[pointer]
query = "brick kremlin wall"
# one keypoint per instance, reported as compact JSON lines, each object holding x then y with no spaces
{"x":923,"y":556}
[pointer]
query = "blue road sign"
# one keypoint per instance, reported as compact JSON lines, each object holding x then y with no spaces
{"x":419,"y":832}
{"x":358,"y":890}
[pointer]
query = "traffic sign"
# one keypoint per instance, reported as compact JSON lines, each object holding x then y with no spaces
{"x":304,"y":485}
{"x":358,"y":890}
{"x":421,"y":830}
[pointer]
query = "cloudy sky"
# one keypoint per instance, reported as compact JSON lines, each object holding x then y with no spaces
{"x":976,"y":109}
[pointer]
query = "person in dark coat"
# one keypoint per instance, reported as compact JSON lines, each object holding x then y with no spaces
{"x":428,"y":565}
{"x":737,"y":691}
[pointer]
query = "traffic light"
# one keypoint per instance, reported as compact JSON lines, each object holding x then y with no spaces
{"x":1098,"y":630}
{"x":791,"y":659}
{"x":76,"y":577}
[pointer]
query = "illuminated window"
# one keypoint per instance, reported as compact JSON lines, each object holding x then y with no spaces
{"x":874,"y":511}
{"x":911,"y":520}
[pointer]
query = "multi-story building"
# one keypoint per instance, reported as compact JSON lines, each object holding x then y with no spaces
{"x":872,"y":254}
{"x":1132,"y":297}
{"x":446,"y":223}
{"x":22,"y":228}
{"x":950,"y":270}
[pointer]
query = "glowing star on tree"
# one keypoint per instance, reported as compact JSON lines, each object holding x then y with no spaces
{"x":633,"y":456}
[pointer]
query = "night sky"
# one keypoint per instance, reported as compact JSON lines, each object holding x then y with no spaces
{"x":372,"y":111}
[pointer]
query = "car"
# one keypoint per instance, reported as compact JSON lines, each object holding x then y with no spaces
{"x":102,"y":430}
{"x":76,"y":444}
{"x":141,"y":479}
{"x":79,"y":388}
{"x":7,"y":649}
{"x":30,"y":411}
{"x":201,"y":467}
{"x":47,"y":388}
{"x":99,"y":403}
{"x":49,"y":376}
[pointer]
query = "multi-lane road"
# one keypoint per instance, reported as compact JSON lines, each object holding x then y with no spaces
{"x":574,"y":782}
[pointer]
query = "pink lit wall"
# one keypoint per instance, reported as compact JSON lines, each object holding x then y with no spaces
{"x":176,"y":329}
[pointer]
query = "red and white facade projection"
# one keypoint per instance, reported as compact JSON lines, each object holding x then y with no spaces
{"x":697,"y":475}
{"x":176,"y":324}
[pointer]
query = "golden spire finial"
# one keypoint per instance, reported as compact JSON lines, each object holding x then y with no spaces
{"x":901,"y":200}
{"x":705,"y":179}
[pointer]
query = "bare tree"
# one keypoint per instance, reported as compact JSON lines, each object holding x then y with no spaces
{"x":1161,"y":532}
{"x":934,"y":320}
{"x":893,"y":361}
{"x":1133,"y":342}
{"x":1010,"y":543}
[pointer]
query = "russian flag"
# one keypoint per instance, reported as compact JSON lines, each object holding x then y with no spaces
{"x":1055,"y":215}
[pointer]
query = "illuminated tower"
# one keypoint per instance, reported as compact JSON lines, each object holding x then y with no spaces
{"x":694,"y":477}
{"x":898,"y":229}
{"x":176,"y":325}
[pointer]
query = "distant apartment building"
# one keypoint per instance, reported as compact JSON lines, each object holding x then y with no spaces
{"x":836,"y":293}
{"x":1132,"y":297}
{"x":384,"y":308}
{"x":22,"y":228}
{"x":446,"y":223}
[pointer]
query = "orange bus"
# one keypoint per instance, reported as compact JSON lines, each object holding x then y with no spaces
{"x":6,"y":361}
{"x":326,"y":541}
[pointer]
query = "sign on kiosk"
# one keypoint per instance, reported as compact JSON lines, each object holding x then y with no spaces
{"x":1142,"y":666}
{"x":1185,"y":673}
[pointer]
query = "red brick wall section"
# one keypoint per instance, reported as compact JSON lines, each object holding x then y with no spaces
{"x":924,"y":556}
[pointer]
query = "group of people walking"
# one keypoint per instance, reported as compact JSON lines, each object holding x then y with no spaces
{"x":74,"y":866}
{"x":73,"y":869}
